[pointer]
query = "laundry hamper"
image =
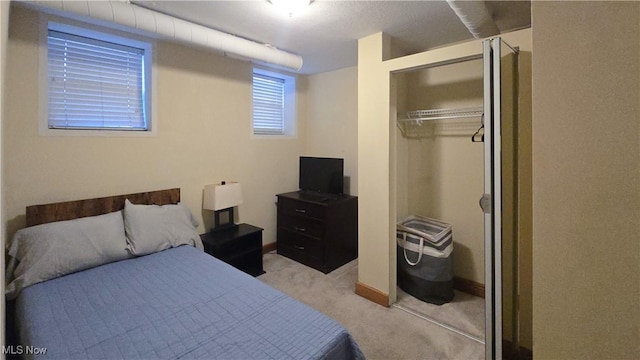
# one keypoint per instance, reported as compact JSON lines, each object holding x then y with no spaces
{"x":424,"y":258}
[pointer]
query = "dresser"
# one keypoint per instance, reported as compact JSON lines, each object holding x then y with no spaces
{"x":320,"y":231}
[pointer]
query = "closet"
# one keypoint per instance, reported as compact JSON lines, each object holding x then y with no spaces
{"x":440,"y":176}
{"x":455,"y":159}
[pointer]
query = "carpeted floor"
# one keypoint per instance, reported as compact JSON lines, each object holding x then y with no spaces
{"x":465,"y":313}
{"x":382,"y":333}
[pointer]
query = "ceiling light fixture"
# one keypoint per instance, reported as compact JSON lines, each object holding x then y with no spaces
{"x":290,"y":7}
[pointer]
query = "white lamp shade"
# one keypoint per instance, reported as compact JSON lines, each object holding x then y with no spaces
{"x":219,"y":196}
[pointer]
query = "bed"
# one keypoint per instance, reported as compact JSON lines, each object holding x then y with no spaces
{"x":175,"y":302}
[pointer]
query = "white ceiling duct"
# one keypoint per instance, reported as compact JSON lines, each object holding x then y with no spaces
{"x":168,"y":27}
{"x":476,"y":17}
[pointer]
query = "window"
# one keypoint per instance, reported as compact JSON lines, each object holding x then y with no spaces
{"x":273,"y":103}
{"x":96,"y":81}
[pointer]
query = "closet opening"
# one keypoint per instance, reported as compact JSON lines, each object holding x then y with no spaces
{"x":455,"y":158}
{"x":440,"y":173}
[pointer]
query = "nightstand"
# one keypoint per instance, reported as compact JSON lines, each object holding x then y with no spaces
{"x":240,"y":246}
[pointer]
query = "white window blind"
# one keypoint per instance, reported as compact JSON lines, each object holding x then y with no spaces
{"x":94,"y":84}
{"x":268,"y":105}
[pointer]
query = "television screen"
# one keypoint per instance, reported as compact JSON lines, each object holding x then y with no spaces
{"x":324,"y":175}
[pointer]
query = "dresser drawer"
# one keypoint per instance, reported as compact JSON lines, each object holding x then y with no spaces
{"x":302,"y":225}
{"x":295,"y":207}
{"x":302,"y":245}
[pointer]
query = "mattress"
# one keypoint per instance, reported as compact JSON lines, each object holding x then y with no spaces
{"x":178,"y":303}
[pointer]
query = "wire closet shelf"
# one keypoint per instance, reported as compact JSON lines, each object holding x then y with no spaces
{"x":411,"y":122}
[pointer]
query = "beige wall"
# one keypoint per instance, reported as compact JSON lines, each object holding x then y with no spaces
{"x":203,"y":109}
{"x":586,"y":180}
{"x":376,"y":148}
{"x":331,"y":121}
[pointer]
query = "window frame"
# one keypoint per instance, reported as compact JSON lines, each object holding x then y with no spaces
{"x":289,"y":110}
{"x":80,"y":29}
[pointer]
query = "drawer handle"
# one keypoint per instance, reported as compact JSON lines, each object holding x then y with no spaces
{"x":298,"y":247}
{"x":301,"y":229}
{"x":301,"y":211}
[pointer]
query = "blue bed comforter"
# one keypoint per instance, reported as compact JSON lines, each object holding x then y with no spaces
{"x":178,"y":303}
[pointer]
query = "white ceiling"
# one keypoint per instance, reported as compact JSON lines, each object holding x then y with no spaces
{"x":326,"y":33}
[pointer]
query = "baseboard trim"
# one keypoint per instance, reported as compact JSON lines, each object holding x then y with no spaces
{"x":468,"y":286}
{"x":522,"y":354}
{"x":381,"y":298}
{"x":372,"y":294}
{"x":269,"y":247}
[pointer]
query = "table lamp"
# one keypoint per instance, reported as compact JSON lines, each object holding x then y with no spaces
{"x":222,"y":198}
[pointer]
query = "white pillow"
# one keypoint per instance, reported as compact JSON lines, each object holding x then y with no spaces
{"x":51,"y":250}
{"x":153,"y":228}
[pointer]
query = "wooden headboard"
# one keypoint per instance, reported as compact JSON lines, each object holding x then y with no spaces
{"x":42,"y":214}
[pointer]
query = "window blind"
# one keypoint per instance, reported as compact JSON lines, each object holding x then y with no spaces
{"x":94,"y":84}
{"x":268,"y":105}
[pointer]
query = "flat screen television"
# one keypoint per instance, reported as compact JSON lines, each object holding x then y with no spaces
{"x":322,"y":175}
